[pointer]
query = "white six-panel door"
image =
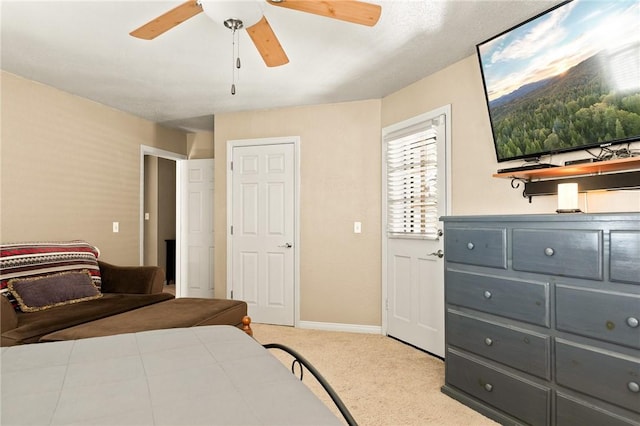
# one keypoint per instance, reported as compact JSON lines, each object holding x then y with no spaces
{"x":262,"y":233}
{"x":197,"y":237}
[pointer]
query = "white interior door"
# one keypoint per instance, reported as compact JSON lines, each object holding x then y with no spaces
{"x":196,"y":229}
{"x":414,"y":268}
{"x":263,"y":231}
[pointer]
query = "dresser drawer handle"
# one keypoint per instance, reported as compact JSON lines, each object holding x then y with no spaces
{"x":487,"y":294}
{"x":488,"y":341}
{"x":633,"y":322}
{"x":470,"y":246}
{"x":549,"y":251}
{"x":633,"y":387}
{"x":488,"y":387}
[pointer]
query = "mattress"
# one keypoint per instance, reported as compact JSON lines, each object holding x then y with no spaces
{"x":209,"y":375}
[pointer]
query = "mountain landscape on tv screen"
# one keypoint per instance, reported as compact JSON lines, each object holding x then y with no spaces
{"x":577,"y":108}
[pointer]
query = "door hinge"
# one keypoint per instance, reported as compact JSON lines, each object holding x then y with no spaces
{"x":386,"y":304}
{"x":231,"y":294}
{"x":231,"y":166}
{"x":231,"y":229}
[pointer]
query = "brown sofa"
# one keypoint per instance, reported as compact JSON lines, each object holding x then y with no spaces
{"x":60,"y":291}
{"x":123,"y":289}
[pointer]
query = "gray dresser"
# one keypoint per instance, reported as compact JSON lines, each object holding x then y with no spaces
{"x":542,"y":322}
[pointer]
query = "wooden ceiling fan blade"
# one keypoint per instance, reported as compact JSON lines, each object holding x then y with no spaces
{"x":357,"y":12}
{"x":166,"y":21}
{"x":267,"y":43}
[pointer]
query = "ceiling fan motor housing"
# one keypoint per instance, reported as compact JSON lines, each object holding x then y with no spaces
{"x":233,"y":24}
{"x":247,"y":13}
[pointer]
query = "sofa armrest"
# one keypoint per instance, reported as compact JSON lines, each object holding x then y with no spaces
{"x":131,"y":279}
{"x":9,"y":318}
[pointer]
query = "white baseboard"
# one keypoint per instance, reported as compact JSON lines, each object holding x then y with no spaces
{"x":331,"y":326}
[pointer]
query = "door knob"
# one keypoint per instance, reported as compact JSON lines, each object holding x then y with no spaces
{"x":438,"y":253}
{"x":287,"y":245}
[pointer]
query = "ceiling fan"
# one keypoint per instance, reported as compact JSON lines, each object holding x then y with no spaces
{"x":248,"y":14}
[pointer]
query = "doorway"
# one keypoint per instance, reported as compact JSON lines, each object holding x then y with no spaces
{"x":416,"y":193}
{"x":159,"y":207}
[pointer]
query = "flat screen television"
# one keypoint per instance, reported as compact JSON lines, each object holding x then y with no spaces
{"x":565,"y":80}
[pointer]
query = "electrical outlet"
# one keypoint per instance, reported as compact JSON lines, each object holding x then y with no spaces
{"x":116,"y":226}
{"x":357,"y":227}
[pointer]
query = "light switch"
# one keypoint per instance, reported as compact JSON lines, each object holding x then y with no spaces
{"x":146,"y":216}
{"x":357,"y":227}
{"x":116,"y":226}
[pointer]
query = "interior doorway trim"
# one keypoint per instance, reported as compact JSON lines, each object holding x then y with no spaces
{"x":168,"y":155}
{"x":296,"y":217}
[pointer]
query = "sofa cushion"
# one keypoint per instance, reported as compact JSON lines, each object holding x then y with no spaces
{"x":175,"y":313}
{"x":34,"y":259}
{"x":44,"y":292}
{"x":33,"y":325}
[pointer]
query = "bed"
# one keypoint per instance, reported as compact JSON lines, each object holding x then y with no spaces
{"x":213,"y":375}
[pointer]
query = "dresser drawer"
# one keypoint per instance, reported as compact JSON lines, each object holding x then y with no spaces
{"x":605,"y":375}
{"x":572,"y":412}
{"x":574,"y":253}
{"x":625,"y":256}
{"x":520,"y":398}
{"x":516,"y":348}
{"x":521,"y":300}
{"x":484,"y":247}
{"x":612,"y":317}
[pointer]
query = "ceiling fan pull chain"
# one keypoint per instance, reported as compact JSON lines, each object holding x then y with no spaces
{"x":234,"y":25}
{"x":238,"y":54}
{"x":233,"y":57}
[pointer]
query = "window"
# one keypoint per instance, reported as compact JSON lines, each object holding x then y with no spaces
{"x":412,"y":181}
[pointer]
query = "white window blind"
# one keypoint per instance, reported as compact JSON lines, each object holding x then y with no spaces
{"x":412,"y":177}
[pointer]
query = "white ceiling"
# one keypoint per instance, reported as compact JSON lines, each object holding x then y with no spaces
{"x":183,"y":77}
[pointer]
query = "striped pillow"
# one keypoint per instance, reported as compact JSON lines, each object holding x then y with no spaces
{"x":22,"y":260}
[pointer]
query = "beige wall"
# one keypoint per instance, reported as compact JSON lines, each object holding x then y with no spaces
{"x":70,"y":167}
{"x":340,"y":184}
{"x":200,"y":145}
{"x":474,"y":190}
{"x":151,"y":208}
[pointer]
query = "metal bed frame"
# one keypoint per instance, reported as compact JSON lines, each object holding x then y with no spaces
{"x":302,"y":362}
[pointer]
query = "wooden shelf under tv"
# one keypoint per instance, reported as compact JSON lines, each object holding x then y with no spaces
{"x":620,"y":174}
{"x":599,"y":167}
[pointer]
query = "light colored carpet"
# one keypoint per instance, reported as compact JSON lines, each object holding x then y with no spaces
{"x":382,"y":382}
